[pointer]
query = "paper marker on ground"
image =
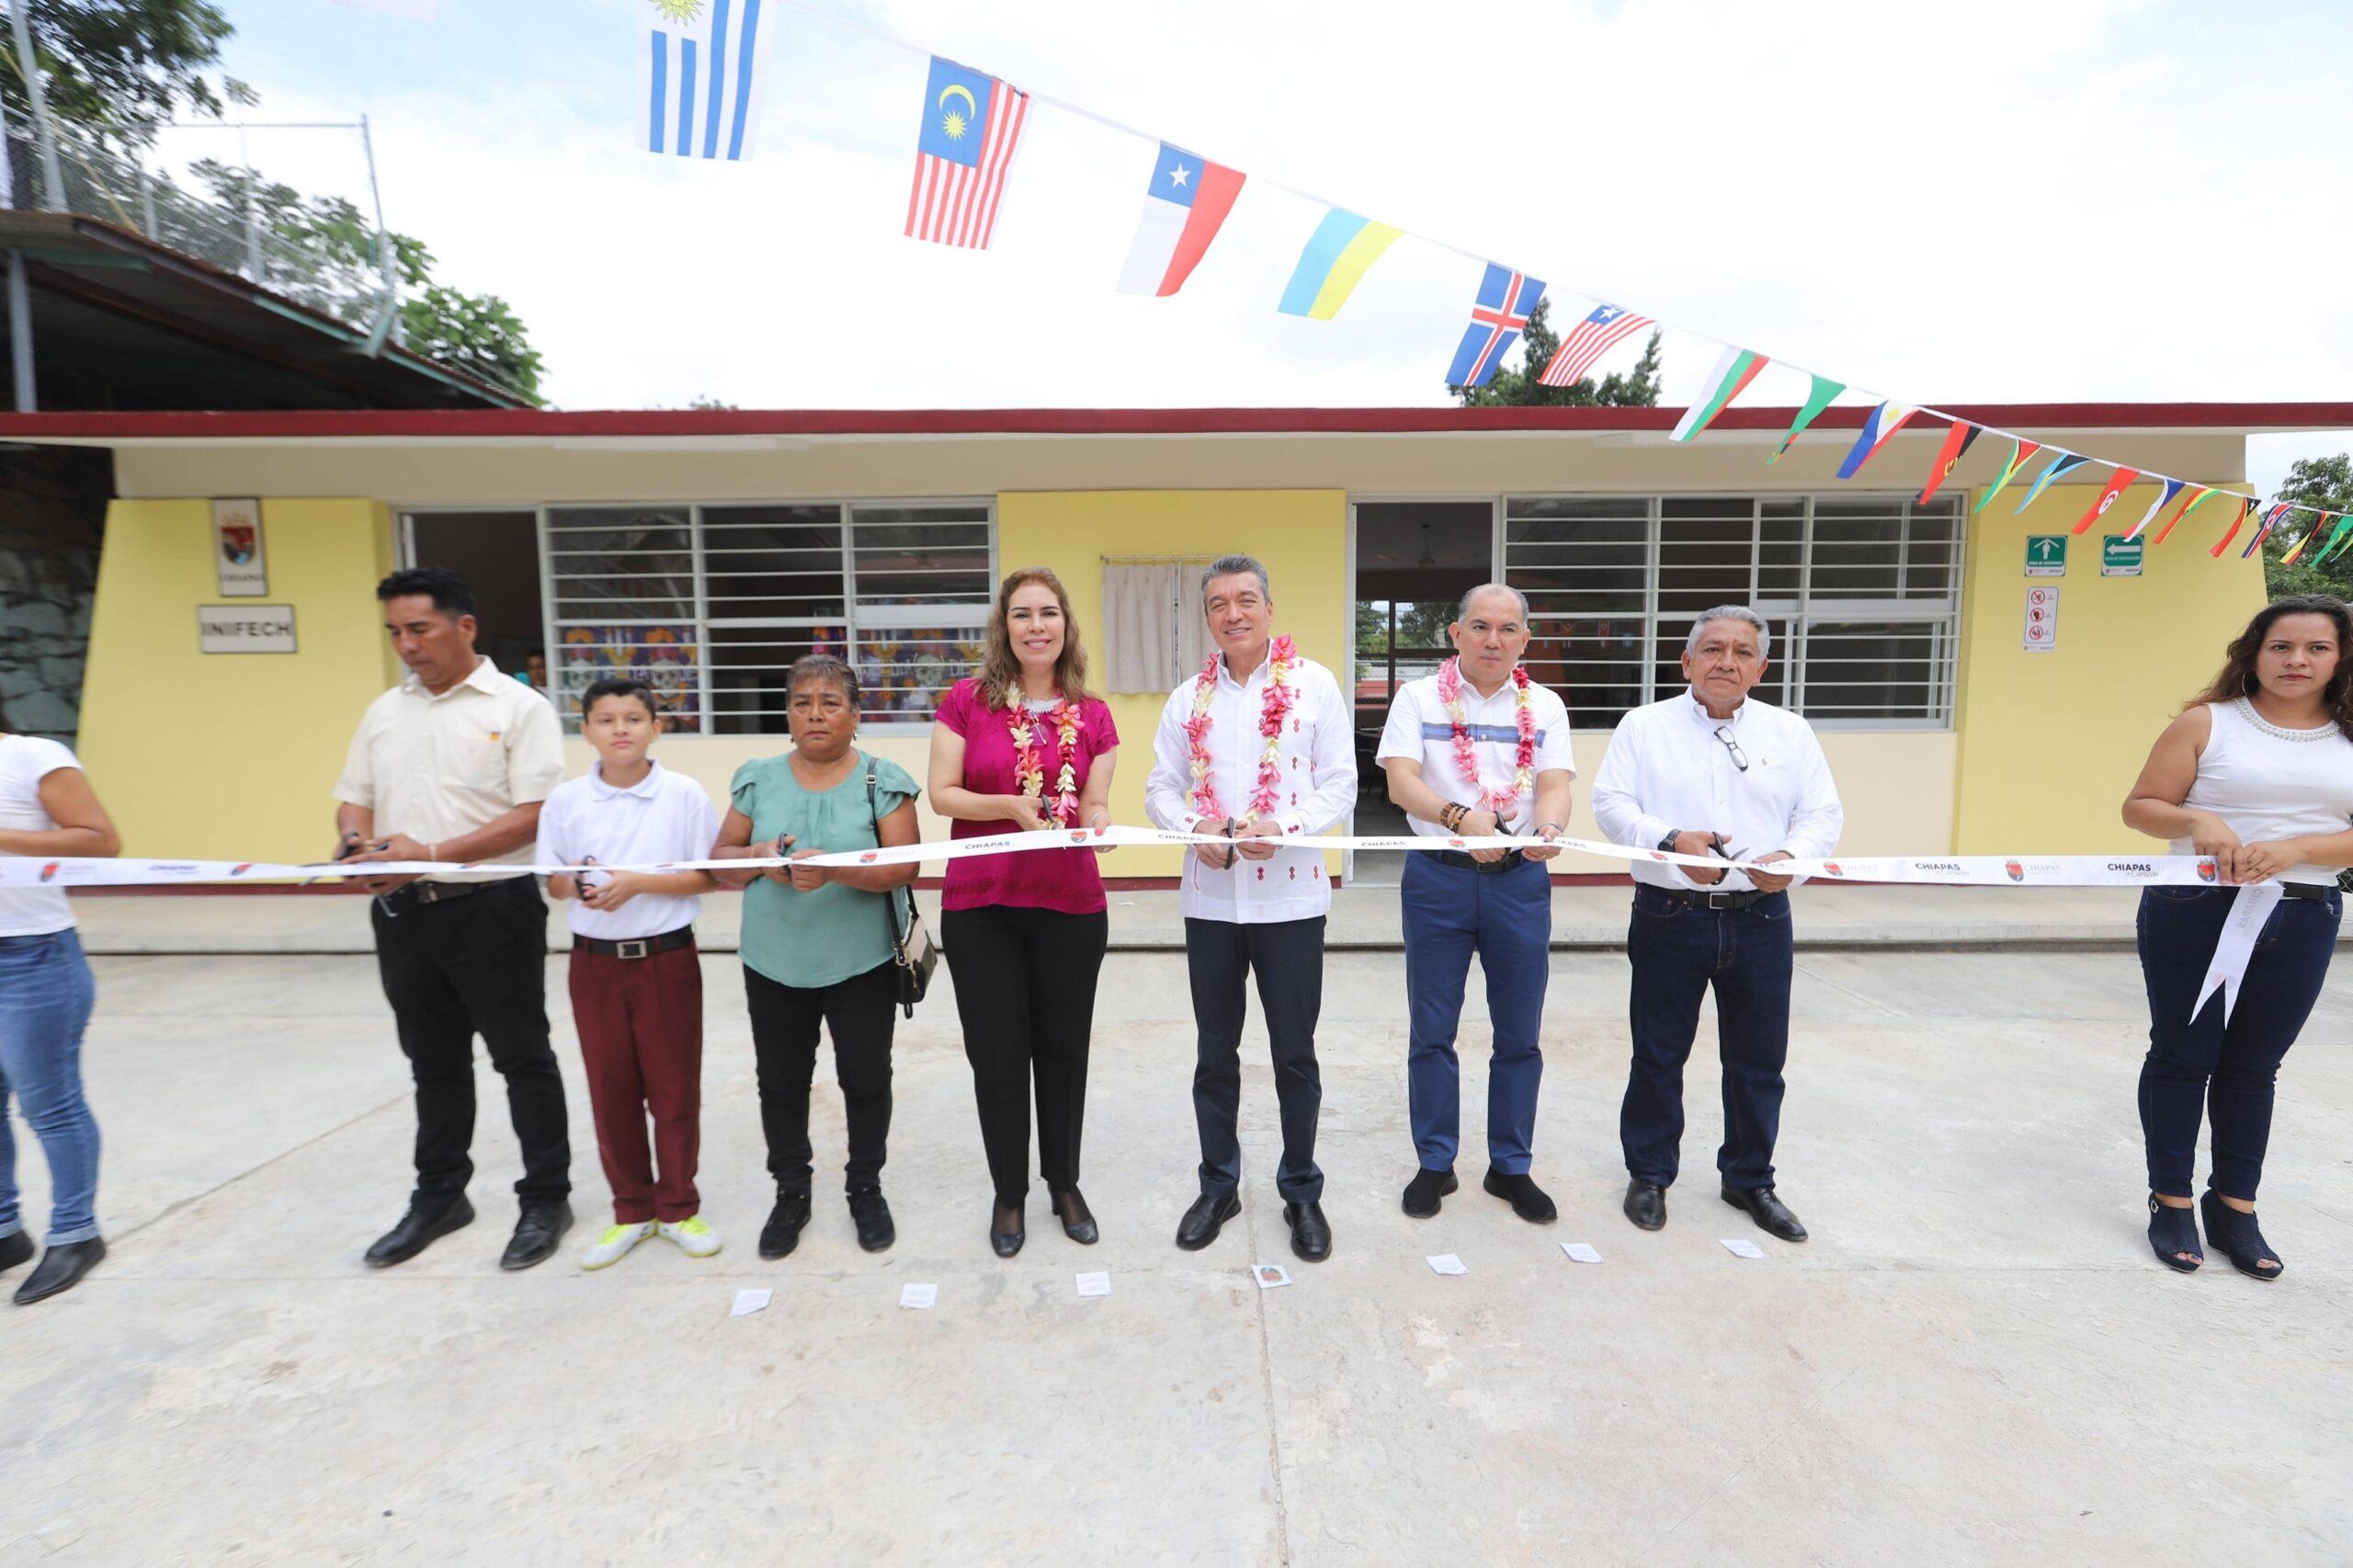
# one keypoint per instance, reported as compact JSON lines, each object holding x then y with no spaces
{"x":924,"y":1296}
{"x":1447,"y":1262}
{"x":1094,"y":1284}
{"x":1270,"y":1275}
{"x":1743,"y":1249}
{"x":1581,"y":1252}
{"x":747,"y":1302}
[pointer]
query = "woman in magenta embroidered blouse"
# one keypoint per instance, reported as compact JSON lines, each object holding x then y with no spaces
{"x":1020,"y":746}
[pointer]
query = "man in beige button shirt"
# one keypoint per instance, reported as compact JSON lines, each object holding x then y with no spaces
{"x":452,"y":765}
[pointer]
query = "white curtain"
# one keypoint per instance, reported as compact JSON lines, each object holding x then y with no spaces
{"x":1154,"y":636}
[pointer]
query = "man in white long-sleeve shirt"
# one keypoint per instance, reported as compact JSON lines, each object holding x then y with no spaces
{"x":1258,"y":906}
{"x":1713,"y":771}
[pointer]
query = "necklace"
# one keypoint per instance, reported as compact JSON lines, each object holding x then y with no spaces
{"x":1274,"y":705}
{"x":1029,"y":759}
{"x":1466,"y":755}
{"x":2282,"y":732}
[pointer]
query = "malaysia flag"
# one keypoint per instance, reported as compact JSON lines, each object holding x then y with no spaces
{"x":1498,"y":318}
{"x":971,"y":129}
{"x":1186,"y":200}
{"x":1588,"y":342}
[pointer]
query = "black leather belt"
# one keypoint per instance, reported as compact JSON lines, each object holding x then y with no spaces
{"x":1703,"y":898}
{"x":442,"y":892}
{"x":2313,"y":890}
{"x":636,"y":947}
{"x":1489,"y":867}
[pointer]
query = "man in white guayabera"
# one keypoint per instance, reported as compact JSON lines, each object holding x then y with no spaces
{"x":1258,"y":746}
{"x":1713,"y":771}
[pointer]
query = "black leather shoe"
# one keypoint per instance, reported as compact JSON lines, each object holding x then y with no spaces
{"x":1527,"y":1199}
{"x":1004,"y":1241}
{"x":1770,"y":1214}
{"x":1422,"y":1193}
{"x":1205,"y":1219}
{"x":1079,"y":1220}
{"x":61,"y":1269}
{"x":426,"y":1221}
{"x":536,"y":1235}
{"x":1646,"y":1204}
{"x":872,"y":1217}
{"x":16,"y":1249}
{"x":782,"y":1233}
{"x":1310,"y":1233}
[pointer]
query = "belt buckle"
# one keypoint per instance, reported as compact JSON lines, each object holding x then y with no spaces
{"x":1723,"y":900}
{"x":643,"y":946}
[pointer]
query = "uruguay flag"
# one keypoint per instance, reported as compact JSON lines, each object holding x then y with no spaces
{"x":1186,"y":200}
{"x":700,"y":66}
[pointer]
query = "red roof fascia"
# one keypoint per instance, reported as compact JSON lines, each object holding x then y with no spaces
{"x":546,"y":424}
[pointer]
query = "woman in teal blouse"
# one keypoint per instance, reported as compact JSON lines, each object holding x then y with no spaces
{"x":817,"y":942}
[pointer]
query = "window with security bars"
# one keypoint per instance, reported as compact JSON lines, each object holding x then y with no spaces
{"x":712,"y":605}
{"x":1862,"y":595}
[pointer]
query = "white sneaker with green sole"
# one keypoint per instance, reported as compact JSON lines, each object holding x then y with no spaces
{"x":694,"y":1238}
{"x":615,"y":1245}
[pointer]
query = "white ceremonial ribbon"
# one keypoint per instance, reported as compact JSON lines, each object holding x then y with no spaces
{"x":2249,"y":912}
{"x":1966,"y":870}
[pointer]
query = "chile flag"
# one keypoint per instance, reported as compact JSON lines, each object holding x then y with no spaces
{"x":1188,"y":199}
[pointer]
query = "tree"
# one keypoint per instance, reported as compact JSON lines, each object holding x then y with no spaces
{"x":2327,"y":483}
{"x":119,"y":68}
{"x":1520,"y":388}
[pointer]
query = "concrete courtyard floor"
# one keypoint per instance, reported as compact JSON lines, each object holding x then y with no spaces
{"x":1975,"y":1360}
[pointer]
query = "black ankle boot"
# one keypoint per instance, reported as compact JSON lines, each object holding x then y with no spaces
{"x":786,"y":1222}
{"x":2173,"y":1231}
{"x":2234,"y":1232}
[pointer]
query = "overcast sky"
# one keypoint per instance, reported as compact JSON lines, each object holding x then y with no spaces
{"x":2015,"y":200}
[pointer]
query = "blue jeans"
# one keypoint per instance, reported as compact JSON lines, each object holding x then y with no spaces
{"x":1678,"y":951}
{"x":2228,"y":1068}
{"x":1452,"y":912}
{"x":45,"y":998}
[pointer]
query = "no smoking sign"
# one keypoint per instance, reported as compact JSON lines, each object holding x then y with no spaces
{"x":2041,"y":619}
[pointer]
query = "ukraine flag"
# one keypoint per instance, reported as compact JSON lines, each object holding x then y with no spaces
{"x":1342,"y":249}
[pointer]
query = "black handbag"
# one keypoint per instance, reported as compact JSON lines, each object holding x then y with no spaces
{"x":914,"y":953}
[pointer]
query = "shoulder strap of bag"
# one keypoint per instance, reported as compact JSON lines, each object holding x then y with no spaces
{"x":889,"y":900}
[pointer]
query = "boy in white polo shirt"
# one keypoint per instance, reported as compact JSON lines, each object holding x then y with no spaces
{"x":636,"y":976}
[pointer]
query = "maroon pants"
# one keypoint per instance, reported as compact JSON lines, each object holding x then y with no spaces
{"x":640,"y":1041}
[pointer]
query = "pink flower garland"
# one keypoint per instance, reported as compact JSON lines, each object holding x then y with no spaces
{"x":1030,"y":763}
{"x":1274,"y":706}
{"x":1466,"y":755}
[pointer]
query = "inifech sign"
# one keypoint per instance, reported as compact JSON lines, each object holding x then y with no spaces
{"x":244,"y":628}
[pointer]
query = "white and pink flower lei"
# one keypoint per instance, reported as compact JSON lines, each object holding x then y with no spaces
{"x":1030,"y":763}
{"x":1466,"y":755}
{"x":1274,"y":706}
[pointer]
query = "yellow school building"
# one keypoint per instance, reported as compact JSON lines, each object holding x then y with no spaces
{"x":1979,"y":687}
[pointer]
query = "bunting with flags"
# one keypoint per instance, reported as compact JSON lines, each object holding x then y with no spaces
{"x":1498,"y":316}
{"x":1733,"y":371}
{"x":2165,"y":492}
{"x":1879,"y":427}
{"x":2204,"y":495}
{"x":2065,"y":462}
{"x":2246,"y":506}
{"x":1603,"y":329}
{"x":2337,"y":541}
{"x":701,"y":68}
{"x":1958,"y":440}
{"x":2295,"y":551}
{"x":2118,"y":482}
{"x":2019,"y":451}
{"x":964,"y":151}
{"x":1818,"y":397}
{"x":1184,"y":206}
{"x":2270,"y":520}
{"x":1338,"y":254}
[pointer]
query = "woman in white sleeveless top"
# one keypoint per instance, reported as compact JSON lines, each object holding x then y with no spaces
{"x":47,"y":811}
{"x":2258,"y":773}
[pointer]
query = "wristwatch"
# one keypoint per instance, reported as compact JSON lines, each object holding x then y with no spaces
{"x":1667,"y":843}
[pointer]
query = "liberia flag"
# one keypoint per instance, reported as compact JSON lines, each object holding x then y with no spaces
{"x":1587,"y":341}
{"x":1879,"y":427}
{"x":2116,"y":485}
{"x":1498,"y":318}
{"x":1183,"y":204}
{"x":971,"y":129}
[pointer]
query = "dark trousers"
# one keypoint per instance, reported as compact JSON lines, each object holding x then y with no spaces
{"x":1025,"y":992}
{"x":2230,"y":1068}
{"x":469,"y":966}
{"x":640,"y":1022}
{"x":1288,"y":957}
{"x":859,"y":1012}
{"x":1677,"y":953}
{"x":1505,"y":917}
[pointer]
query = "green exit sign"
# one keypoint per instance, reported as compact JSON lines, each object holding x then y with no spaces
{"x":2120,"y":557}
{"x":2046,"y":556}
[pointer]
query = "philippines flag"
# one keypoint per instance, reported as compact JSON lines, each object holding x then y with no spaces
{"x":1879,"y":427}
{"x":1186,"y":200}
{"x":971,"y":129}
{"x":701,"y":68}
{"x":1588,"y":342}
{"x":1498,"y":318}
